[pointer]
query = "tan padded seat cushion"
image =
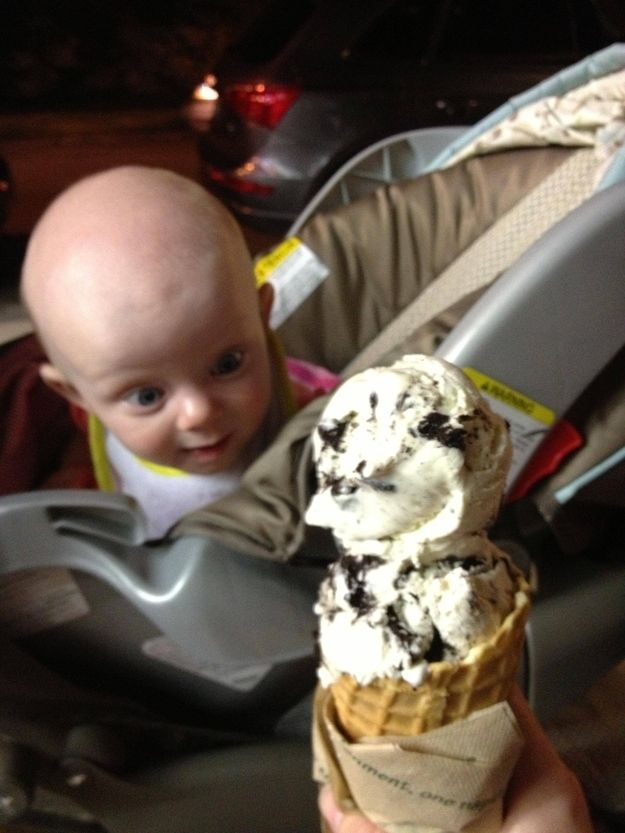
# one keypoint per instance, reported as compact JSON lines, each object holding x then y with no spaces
{"x":384,"y":249}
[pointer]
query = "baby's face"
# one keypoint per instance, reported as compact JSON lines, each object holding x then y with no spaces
{"x":187,"y":386}
{"x":143,"y":291}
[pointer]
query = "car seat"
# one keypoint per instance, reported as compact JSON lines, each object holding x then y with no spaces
{"x":541,"y":329}
{"x":393,"y":159}
{"x":151,"y":686}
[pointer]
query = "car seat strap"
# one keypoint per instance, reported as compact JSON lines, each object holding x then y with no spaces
{"x":492,"y":253}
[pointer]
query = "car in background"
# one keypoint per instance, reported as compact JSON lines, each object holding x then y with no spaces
{"x":308,"y":84}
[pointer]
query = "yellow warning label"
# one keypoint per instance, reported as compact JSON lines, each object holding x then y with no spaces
{"x":265,"y":265}
{"x":512,"y":398}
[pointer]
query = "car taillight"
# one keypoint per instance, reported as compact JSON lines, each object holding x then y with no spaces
{"x":235,"y":182}
{"x":263,"y":104}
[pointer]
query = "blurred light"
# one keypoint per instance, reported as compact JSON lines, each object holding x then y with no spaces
{"x":237,"y":181}
{"x":206,"y":90}
{"x":202,"y":106}
{"x":262,"y":104}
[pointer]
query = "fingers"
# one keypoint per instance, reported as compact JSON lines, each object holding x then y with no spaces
{"x":543,"y":794}
{"x":329,"y":809}
{"x":340,"y":822}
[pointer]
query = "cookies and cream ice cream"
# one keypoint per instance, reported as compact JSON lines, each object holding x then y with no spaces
{"x":411,"y":467}
{"x":391,"y":618}
{"x":412,"y":448}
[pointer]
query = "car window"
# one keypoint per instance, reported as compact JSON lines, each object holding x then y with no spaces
{"x":403,"y":31}
{"x":566,"y":28}
{"x":267,"y":34}
{"x":430,"y":30}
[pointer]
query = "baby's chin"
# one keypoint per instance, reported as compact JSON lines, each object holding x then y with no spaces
{"x":206,"y":470}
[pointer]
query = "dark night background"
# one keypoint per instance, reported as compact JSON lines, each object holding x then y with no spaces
{"x":93,"y":54}
{"x":86,"y":85}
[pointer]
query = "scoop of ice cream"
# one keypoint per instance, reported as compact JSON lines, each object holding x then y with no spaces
{"x":409,"y":448}
{"x":380,"y":618}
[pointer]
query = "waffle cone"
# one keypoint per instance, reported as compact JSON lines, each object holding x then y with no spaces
{"x":451,"y":691}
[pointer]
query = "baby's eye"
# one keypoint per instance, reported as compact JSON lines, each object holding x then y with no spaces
{"x":146,"y":397}
{"x":228,"y":363}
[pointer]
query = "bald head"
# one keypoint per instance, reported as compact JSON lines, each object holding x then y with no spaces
{"x":142,"y":291}
{"x":122,"y":240}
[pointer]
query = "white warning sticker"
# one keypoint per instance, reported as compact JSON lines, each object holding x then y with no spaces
{"x":239,"y":677}
{"x":529,"y":421}
{"x":32,"y":601}
{"x":294,"y":271}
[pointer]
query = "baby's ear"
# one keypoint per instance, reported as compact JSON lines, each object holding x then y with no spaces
{"x":265,"y":299}
{"x":56,"y":380}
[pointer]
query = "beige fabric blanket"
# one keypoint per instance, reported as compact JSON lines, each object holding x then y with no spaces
{"x":592,"y":115}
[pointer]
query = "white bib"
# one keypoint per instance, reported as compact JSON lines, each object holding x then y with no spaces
{"x":165,"y":497}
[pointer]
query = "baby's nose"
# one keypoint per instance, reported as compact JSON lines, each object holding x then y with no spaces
{"x":196,"y":408}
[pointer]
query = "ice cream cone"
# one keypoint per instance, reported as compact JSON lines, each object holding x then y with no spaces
{"x":412,"y":466}
{"x":451,"y":692}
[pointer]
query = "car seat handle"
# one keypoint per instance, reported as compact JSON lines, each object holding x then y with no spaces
{"x":216,"y":604}
{"x":550,"y":324}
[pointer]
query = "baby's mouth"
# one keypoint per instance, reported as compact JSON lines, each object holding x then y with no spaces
{"x":209,"y":451}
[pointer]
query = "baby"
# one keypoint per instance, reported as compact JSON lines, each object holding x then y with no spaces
{"x":142,"y":292}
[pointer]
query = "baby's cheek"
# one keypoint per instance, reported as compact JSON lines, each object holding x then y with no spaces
{"x":150,"y":440}
{"x":257,"y":399}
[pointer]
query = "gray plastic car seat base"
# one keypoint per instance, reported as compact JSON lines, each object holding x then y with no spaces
{"x":216,"y":604}
{"x":264,"y":788}
{"x":576,"y":631}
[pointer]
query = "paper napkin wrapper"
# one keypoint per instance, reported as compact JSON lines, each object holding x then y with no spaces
{"x":446,"y":780}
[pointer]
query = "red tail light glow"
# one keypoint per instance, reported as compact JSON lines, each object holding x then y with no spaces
{"x":263,"y":104}
{"x":230,"y":180}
